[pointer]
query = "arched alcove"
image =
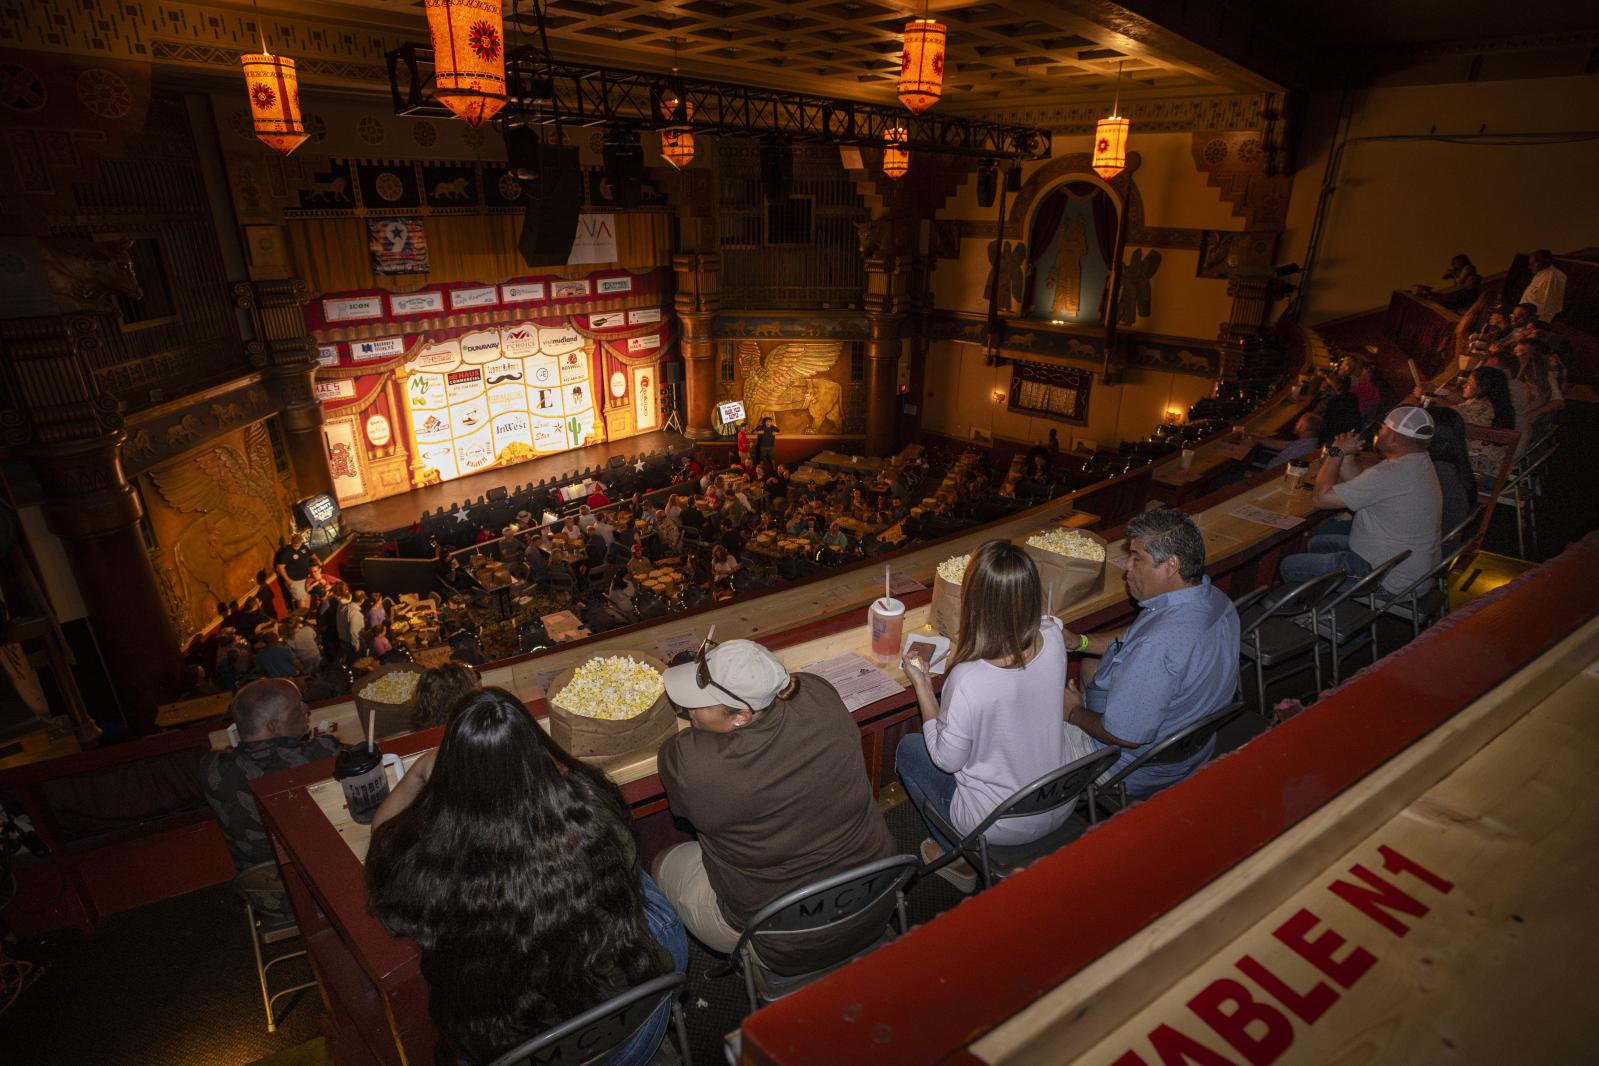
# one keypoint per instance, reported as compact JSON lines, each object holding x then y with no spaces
{"x":1071,"y":241}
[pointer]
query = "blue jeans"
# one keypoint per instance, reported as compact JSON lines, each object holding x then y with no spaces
{"x":667,"y":928}
{"x":1326,"y":551}
{"x":929,"y":788}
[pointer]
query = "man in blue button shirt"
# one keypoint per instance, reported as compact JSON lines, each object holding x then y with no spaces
{"x":1176,"y":663}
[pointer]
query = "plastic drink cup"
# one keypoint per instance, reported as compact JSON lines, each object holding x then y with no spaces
{"x":1185,"y":459}
{"x":887,"y":620}
{"x":360,"y":771}
{"x":1296,"y":473}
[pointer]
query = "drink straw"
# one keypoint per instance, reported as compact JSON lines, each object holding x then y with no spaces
{"x":886,"y":584}
{"x":371,"y":728}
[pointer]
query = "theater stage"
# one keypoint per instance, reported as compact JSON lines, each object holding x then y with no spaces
{"x":398,"y":512}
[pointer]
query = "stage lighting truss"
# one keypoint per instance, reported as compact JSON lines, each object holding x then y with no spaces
{"x":542,"y":92}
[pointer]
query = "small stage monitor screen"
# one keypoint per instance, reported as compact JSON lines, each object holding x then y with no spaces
{"x":498,"y":397}
{"x":319,"y":510}
{"x":730,"y":412}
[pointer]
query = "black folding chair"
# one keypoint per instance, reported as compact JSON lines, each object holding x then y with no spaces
{"x":824,"y":905}
{"x":1111,"y":793}
{"x":1268,"y":636}
{"x":1346,"y":616}
{"x":1427,"y":598}
{"x":1050,"y":792}
{"x":594,"y":1034}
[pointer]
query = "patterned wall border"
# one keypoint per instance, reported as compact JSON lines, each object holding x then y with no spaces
{"x":162,"y":433}
{"x":790,"y":327}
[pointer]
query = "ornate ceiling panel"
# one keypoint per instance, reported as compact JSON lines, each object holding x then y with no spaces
{"x":1002,"y":53}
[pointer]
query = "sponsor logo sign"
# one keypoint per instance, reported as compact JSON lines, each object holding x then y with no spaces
{"x":522,"y":291}
{"x":385,"y":348}
{"x":352,"y":308}
{"x":416,"y":303}
{"x":487,"y":296}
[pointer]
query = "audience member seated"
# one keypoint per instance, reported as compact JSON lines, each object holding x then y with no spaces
{"x":1368,"y":392}
{"x":512,"y":866}
{"x":771,"y":778}
{"x":1462,"y":284}
{"x":1307,"y":438}
{"x":1546,"y":292}
{"x":1176,"y":663}
{"x":1340,"y":410}
{"x":438,"y":691}
{"x":997,"y":725}
{"x":1486,"y":401}
{"x":274,"y":659}
{"x":1397,"y":505}
{"x":375,"y":641}
{"x":1451,"y":461}
{"x":234,"y":661}
{"x":723,"y":567}
{"x":1544,"y":394}
{"x":248,"y":618}
{"x":300,"y":636}
{"x":272,"y":720}
{"x":624,"y":590}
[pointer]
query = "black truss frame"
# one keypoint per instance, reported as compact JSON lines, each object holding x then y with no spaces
{"x":543,"y":92}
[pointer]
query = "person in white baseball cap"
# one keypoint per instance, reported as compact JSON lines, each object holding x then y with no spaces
{"x":1397,"y":507}
{"x":771,"y":778}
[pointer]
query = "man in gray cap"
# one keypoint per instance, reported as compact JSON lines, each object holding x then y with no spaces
{"x":771,"y":778}
{"x":1396,"y":504}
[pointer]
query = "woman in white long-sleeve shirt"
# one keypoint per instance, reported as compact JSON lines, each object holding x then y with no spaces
{"x":999,"y":724}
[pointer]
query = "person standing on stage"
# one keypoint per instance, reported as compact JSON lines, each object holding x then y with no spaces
{"x":770,"y":775}
{"x":767,"y":436}
{"x":743,"y":445}
{"x":293,"y":565}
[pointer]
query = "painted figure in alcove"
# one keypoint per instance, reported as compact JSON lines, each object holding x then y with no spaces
{"x":1066,"y":273}
{"x":1073,"y":230}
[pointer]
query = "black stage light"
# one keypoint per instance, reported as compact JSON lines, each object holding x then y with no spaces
{"x":987,"y":182}
{"x":624,"y":165}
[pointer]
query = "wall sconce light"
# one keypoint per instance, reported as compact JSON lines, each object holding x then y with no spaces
{"x":999,"y":395}
{"x":1174,"y":414}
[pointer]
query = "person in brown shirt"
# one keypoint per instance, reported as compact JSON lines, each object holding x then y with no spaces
{"x":772,"y":780}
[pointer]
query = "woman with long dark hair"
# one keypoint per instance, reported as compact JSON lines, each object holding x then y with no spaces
{"x":1487,"y":402}
{"x":1451,"y":461}
{"x":1000,"y":723}
{"x":514,"y":869}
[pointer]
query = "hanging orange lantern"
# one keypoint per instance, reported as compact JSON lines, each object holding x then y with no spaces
{"x":468,"y":57}
{"x":896,"y":156}
{"x":677,"y":142}
{"x":921,"y":68}
{"x":1110,"y":146}
{"x":677,"y":146}
{"x":274,"y":90}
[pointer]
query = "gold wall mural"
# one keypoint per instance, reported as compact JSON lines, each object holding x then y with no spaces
{"x":809,"y":388}
{"x":217,"y":515}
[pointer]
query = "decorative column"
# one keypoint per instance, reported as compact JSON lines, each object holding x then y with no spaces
{"x":287,"y":354}
{"x":887,"y":281}
{"x":697,"y":301}
{"x":72,"y":433}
